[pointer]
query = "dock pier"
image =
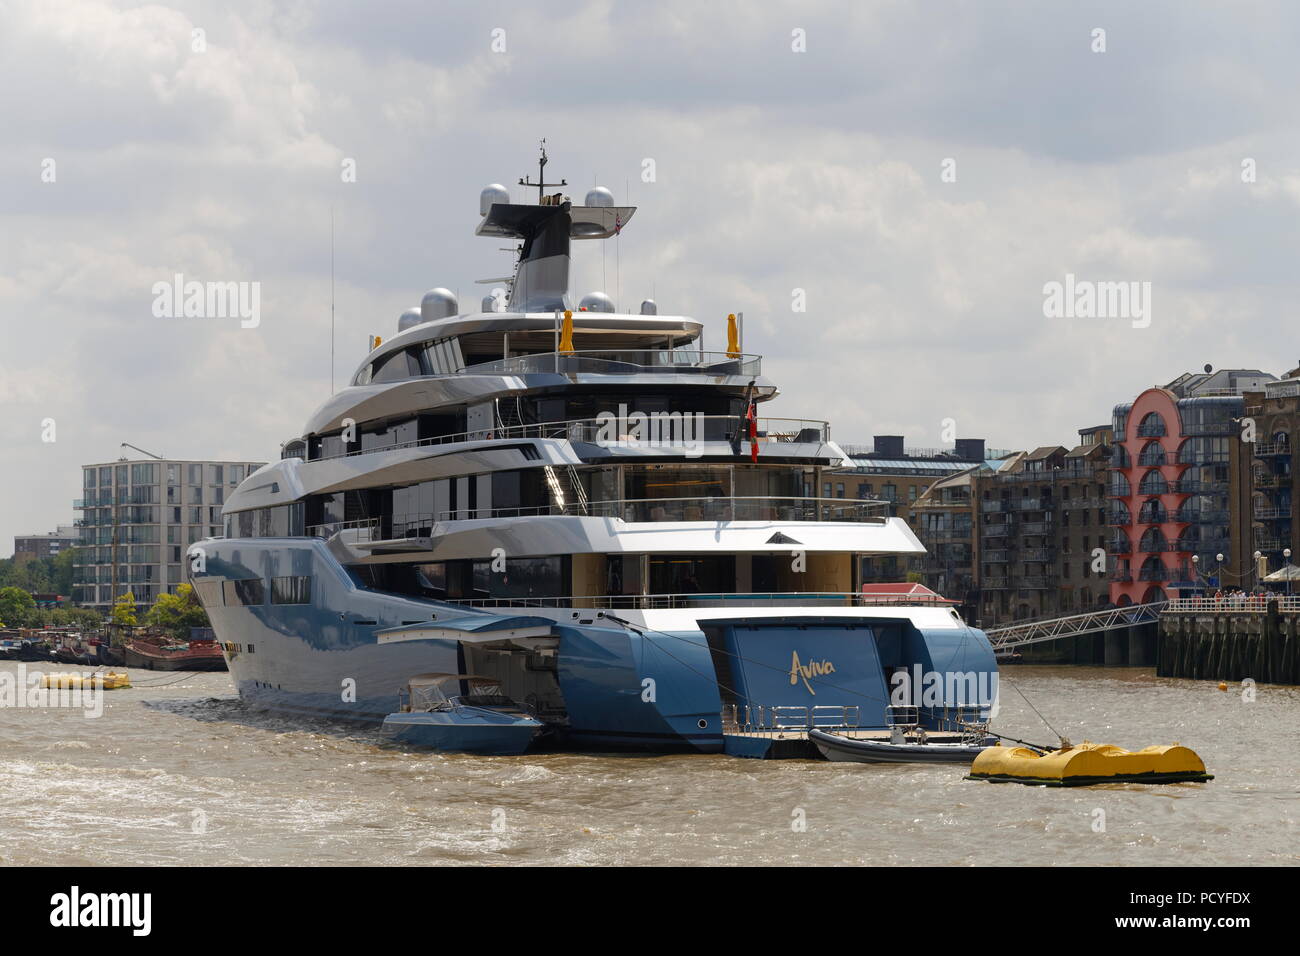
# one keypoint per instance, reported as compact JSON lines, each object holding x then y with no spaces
{"x":1208,"y":639}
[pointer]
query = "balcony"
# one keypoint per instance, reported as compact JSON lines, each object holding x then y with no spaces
{"x":1036,"y":555}
{"x":996,"y":556}
{"x":1030,"y":504}
{"x":1272,"y":513}
{"x":994,"y":583}
{"x":1074,"y":504}
{"x":944,"y":534}
{"x":995,"y":530}
{"x":1272,"y":449}
{"x":1155,"y":574}
{"x":1152,"y":430}
{"x":1200,"y":517}
{"x":994,"y":505}
{"x":1035,"y":582}
{"x":1036,"y":527}
{"x":1121,"y":577}
{"x":1119,"y":519}
{"x":1157,"y":459}
{"x":1119,"y":546}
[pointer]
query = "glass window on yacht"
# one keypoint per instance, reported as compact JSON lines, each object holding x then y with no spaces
{"x":675,"y":482}
{"x":396,"y":367}
{"x":523,"y":577}
{"x":249,"y":592}
{"x":291,"y":590}
{"x":683,"y":574}
{"x":443,"y":357}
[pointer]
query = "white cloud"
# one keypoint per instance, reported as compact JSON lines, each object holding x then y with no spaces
{"x":776,"y":171}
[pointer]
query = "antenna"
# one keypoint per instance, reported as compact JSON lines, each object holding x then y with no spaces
{"x":331,"y":300}
{"x":541,"y":183}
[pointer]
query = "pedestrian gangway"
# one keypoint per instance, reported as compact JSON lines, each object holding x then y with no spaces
{"x":1019,"y":634}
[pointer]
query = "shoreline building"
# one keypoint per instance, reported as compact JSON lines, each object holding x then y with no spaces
{"x":890,"y":471}
{"x":1180,"y":487}
{"x":138,"y":517}
{"x":48,"y":545}
{"x":1275,"y":414}
{"x":1018,"y":537}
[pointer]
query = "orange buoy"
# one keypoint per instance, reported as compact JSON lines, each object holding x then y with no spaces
{"x":1222,"y":686}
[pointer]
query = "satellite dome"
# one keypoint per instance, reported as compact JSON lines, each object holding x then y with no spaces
{"x":489,"y":303}
{"x":648,"y":307}
{"x":596,"y":302}
{"x":491,"y":194}
{"x":599,"y":196}
{"x":409,"y":318}
{"x":438,"y":303}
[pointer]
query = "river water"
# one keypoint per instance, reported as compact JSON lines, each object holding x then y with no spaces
{"x":180,"y":772}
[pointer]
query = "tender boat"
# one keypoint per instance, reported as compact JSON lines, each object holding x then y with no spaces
{"x":839,"y":747}
{"x":482,"y":720}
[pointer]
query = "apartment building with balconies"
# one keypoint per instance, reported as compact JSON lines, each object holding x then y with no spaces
{"x":137,"y":520}
{"x":1180,"y":487}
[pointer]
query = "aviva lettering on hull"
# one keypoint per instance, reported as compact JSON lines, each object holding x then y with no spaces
{"x":803,"y":672}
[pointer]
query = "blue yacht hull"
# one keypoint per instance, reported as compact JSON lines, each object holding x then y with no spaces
{"x":622,"y":690}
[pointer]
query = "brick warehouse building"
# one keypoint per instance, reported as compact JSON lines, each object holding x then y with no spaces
{"x":1179,"y":486}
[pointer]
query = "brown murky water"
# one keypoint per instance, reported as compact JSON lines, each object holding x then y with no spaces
{"x":170,"y":759}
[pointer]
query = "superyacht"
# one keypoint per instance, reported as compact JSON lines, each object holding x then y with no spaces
{"x":573,"y":516}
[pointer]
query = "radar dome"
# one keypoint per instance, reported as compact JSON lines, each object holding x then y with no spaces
{"x":599,"y":196}
{"x":489,"y":303}
{"x":596,"y":302}
{"x":648,"y":307}
{"x":409,"y":318}
{"x":490,"y":194}
{"x":438,"y":304}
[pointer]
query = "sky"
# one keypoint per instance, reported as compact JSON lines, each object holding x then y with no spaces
{"x":885,"y":189}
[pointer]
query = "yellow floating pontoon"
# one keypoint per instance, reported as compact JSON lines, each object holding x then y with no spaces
{"x":1088,"y":763}
{"x":112,"y":680}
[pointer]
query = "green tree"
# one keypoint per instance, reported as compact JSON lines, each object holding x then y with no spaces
{"x":124,"y":610}
{"x":61,"y":571}
{"x":17,"y":607}
{"x":177,"y":613}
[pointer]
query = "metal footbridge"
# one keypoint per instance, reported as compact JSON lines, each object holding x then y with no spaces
{"x":1009,"y":636}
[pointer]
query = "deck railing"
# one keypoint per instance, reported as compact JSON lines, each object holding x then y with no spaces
{"x":1248,"y":604}
{"x":622,"y":362}
{"x":800,"y":599}
{"x":669,"y":429}
{"x":757,"y":508}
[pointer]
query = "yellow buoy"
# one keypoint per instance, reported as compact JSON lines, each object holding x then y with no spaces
{"x":1222,"y":686}
{"x":111,"y":680}
{"x":1088,"y":763}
